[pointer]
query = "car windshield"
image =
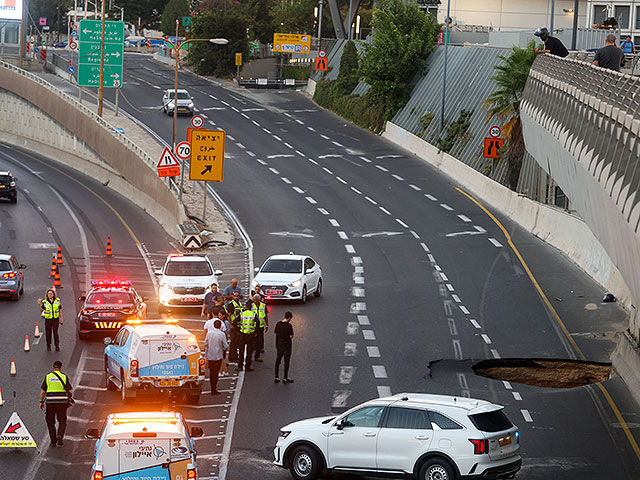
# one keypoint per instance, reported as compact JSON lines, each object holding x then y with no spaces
{"x":282,"y":266}
{"x":109,"y":298}
{"x":181,"y":95}
{"x":5,"y":265}
{"x":495,"y":421}
{"x":5,"y":179}
{"x":188,"y":269}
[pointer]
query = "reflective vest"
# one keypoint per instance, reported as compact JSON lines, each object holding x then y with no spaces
{"x":237,"y":306}
{"x":56,"y":392}
{"x":51,"y":310}
{"x":248,"y":322}
{"x":261,"y":313}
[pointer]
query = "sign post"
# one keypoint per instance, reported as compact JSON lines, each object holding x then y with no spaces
{"x":321,"y":64}
{"x":89,"y":53}
{"x":492,"y":143}
{"x":238,"y":63}
{"x":168,"y":166}
{"x":207,"y":159}
{"x":291,"y":43}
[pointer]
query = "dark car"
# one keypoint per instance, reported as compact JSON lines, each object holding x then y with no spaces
{"x":8,"y":187}
{"x":11,"y":276}
{"x":60,"y":45}
{"x":108,"y":306}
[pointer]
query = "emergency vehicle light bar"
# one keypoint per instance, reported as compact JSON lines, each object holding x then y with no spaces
{"x":111,"y":283}
{"x":122,"y":421}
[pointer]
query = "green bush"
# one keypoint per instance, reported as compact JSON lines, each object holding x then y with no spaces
{"x":425,"y":121}
{"x":348,"y":77}
{"x":297,"y":72}
{"x":456,"y":131}
{"x":323,"y":95}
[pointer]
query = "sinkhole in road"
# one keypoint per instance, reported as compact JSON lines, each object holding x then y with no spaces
{"x":544,"y":372}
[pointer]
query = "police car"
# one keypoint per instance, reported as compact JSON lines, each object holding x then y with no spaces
{"x":109,"y":305}
{"x":145,"y":445}
{"x":8,"y":187}
{"x":184,"y":280}
{"x":289,"y":277}
{"x":154,"y":359}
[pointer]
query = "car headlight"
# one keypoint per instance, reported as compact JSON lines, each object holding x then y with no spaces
{"x":191,"y":105}
{"x":12,"y":184}
{"x":284,"y":433}
{"x":295,"y":284}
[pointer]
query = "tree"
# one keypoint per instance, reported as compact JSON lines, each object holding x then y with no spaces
{"x":294,"y":16}
{"x":511,"y":78}
{"x":175,"y":9}
{"x":348,"y":77}
{"x":147,"y":11}
{"x":49,"y":9}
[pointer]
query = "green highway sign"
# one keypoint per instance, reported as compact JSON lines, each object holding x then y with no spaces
{"x":90,"y":32}
{"x":186,"y":21}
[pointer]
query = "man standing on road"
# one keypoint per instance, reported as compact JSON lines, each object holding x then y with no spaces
{"x":609,"y":56}
{"x":231,"y":290}
{"x":257,"y":290}
{"x":52,"y":312}
{"x":552,"y":45}
{"x":247,"y":336}
{"x":284,"y":335}
{"x":209,"y":299}
{"x":234,"y":308}
{"x":215,"y":346}
{"x":262,"y":316}
{"x":55,"y":393}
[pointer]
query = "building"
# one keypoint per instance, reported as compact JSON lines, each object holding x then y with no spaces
{"x":626,"y":13}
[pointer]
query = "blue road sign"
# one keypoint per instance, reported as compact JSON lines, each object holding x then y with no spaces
{"x":71,"y":69}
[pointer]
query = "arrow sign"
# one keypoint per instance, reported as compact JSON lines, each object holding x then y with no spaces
{"x":292,"y":234}
{"x":380,"y":234}
{"x":191,"y":241}
{"x":13,"y":428}
{"x":15,"y":434}
{"x":207,"y":169}
{"x":168,"y":165}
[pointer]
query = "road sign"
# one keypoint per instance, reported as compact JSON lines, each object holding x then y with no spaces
{"x":321,"y":64}
{"x":491,"y":146}
{"x":197,"y":121}
{"x":168,"y":166}
{"x":186,"y":21}
{"x":71,"y":69}
{"x":89,"y":53}
{"x":15,"y":434}
{"x":291,"y":43}
{"x":238,"y":59}
{"x":43,"y":21}
{"x":191,"y":240}
{"x":495,"y":131}
{"x":73,"y":45}
{"x":207,"y":155}
{"x":322,"y":53}
{"x":183,"y":150}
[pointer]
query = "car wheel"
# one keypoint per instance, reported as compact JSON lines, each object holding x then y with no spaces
{"x":108,"y":383}
{"x":305,"y":463}
{"x":303,"y":298}
{"x":22,"y":289}
{"x":16,"y":296}
{"x":437,"y":469}
{"x":125,"y":391}
{"x":318,"y":291}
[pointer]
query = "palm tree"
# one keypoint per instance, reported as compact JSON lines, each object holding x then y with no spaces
{"x":505,"y":103}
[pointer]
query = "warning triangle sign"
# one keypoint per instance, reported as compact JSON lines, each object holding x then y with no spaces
{"x":167,"y":160}
{"x":15,"y":434}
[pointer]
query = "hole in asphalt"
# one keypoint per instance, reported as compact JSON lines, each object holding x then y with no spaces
{"x":549,"y":373}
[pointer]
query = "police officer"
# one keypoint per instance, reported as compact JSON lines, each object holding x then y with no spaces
{"x":247,"y":336}
{"x":234,"y":308}
{"x":52,"y":312}
{"x":55,"y":393}
{"x":262,"y":316}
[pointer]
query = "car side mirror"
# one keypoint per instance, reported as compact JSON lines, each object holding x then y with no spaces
{"x":92,"y":433}
{"x":107,"y":341}
{"x":157,"y":272}
{"x":340,"y":425}
{"x":22,"y":266}
{"x":217,"y":272}
{"x":197,"y":432}
{"x":82,"y":298}
{"x":256,"y":269}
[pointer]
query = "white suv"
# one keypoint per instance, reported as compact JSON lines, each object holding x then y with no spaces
{"x":289,"y":277}
{"x":184,"y":280}
{"x":428,"y":437}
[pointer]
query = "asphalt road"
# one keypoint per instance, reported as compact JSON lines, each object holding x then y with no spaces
{"x":414,"y":272}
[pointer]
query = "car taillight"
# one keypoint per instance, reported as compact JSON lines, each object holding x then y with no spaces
{"x":9,"y":275}
{"x":191,"y":474}
{"x":133,"y":370}
{"x":87,"y":311}
{"x":201,"y":363}
{"x":97,"y":475}
{"x":480,"y":446}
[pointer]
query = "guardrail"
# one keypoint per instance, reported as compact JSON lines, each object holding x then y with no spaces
{"x":269,"y":83}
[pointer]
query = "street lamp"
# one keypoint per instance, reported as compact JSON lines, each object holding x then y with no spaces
{"x":177,"y":48}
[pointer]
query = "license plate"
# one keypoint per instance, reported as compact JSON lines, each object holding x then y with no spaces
{"x":169,"y":383}
{"x":107,"y":314}
{"x":190,"y":299}
{"x":274,"y":292}
{"x":505,"y":441}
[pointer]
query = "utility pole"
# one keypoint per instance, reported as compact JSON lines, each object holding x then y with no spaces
{"x":574,"y":34}
{"x":58,"y":21}
{"x":350,"y":19}
{"x":175,"y":107}
{"x":444,"y":72}
{"x":553,"y":10}
{"x":101,"y":86}
{"x":320,"y":26}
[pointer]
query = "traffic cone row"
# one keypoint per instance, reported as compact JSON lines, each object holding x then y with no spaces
{"x":53,"y":267}
{"x":37,"y":331}
{"x":56,"y":282}
{"x":59,"y":256}
{"x":12,"y":371}
{"x":109,"y":251}
{"x":27,"y":348}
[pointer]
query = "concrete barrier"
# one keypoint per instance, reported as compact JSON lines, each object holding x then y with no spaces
{"x":311,"y":87}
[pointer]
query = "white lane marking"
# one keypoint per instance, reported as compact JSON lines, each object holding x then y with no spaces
{"x":358,"y":269}
{"x":464,"y":309}
{"x":444,"y":277}
{"x":365,"y":159}
{"x":325,"y":137}
{"x":424,"y":247}
{"x":373,"y":352}
{"x":380,"y":167}
{"x":486,"y":338}
{"x":224,"y":103}
{"x":261,"y":162}
{"x":339,"y":399}
{"x":495,"y":242}
{"x":356,"y":190}
{"x":300,"y":153}
{"x":49,"y":229}
{"x":266,"y":131}
{"x":202,"y":114}
{"x":479,"y":229}
{"x":357,"y":292}
{"x":311,"y":200}
{"x":389,"y":156}
{"x":298,"y":190}
{"x":323,"y":211}
{"x":371,"y":200}
{"x":457,"y":349}
{"x":327,"y":170}
{"x":311,"y":129}
{"x":343,"y":235}
{"x":495,"y":353}
{"x":398,"y":177}
{"x":253,"y":109}
{"x":415,"y":235}
{"x":368,"y":334}
{"x":350,"y":349}
{"x":506,"y":384}
{"x":453,"y":330}
{"x":415,"y":187}
{"x":215,"y":98}
{"x":431,"y":259}
{"x":385,"y":210}
{"x":286,"y":180}
{"x":313,"y":161}
{"x":358,"y":307}
{"x":235,"y":109}
{"x":475,"y":323}
{"x":334,"y":222}
{"x":517,"y":396}
{"x":247,"y":117}
{"x":446,"y":207}
{"x":274,"y":171}
{"x":402,"y":223}
{"x":464,"y":218}
{"x":384,"y":391}
{"x":255,"y":123}
{"x":352,"y":328}
{"x":300,"y":121}
{"x":450,"y":287}
{"x":39,"y":208}
{"x":349,"y":248}
{"x":356,"y":261}
{"x":337,"y":144}
{"x":346,"y":375}
{"x":288,"y":145}
{"x":231,"y":138}
{"x":277,"y":137}
{"x":526,"y":415}
{"x":341,"y":180}
{"x":213,"y":124}
{"x":379,"y":371}
{"x":250,"y":153}
{"x":330,"y":155}
{"x":431,"y":197}
{"x":288,"y":115}
{"x":456,"y":298}
{"x":43,"y":246}
{"x":363,"y":320}
{"x":358,"y":280}
{"x":280,"y":155}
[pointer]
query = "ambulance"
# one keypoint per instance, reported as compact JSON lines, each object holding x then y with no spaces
{"x":145,"y":446}
{"x":152,"y":359}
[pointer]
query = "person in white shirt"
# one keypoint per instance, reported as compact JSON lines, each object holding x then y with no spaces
{"x":215,"y":347}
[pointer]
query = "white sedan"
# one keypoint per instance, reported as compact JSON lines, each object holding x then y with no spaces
{"x":289,"y":277}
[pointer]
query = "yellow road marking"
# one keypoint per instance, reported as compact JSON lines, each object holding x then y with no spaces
{"x":559,"y":321}
{"x":115,"y":212}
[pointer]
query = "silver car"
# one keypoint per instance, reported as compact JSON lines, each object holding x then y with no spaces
{"x":11,"y":276}
{"x":185,"y":102}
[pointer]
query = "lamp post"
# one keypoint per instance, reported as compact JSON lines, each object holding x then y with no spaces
{"x":447,"y":32}
{"x":177,"y":48}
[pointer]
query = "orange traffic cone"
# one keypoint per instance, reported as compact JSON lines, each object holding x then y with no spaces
{"x":26,"y":344}
{"x":59,"y":256}
{"x":57,"y":283}
{"x":37,"y":332}
{"x":1,"y":400}
{"x":53,"y":267}
{"x":13,"y":367}
{"x":109,"y":251}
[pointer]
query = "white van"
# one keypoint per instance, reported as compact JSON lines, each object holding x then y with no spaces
{"x":144,"y":445}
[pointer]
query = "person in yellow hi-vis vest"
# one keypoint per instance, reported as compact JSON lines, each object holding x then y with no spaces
{"x":51,"y":310}
{"x":56,"y":393}
{"x":262,"y":317}
{"x":248,"y":323}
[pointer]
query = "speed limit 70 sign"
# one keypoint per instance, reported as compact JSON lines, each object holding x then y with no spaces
{"x":183,"y":150}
